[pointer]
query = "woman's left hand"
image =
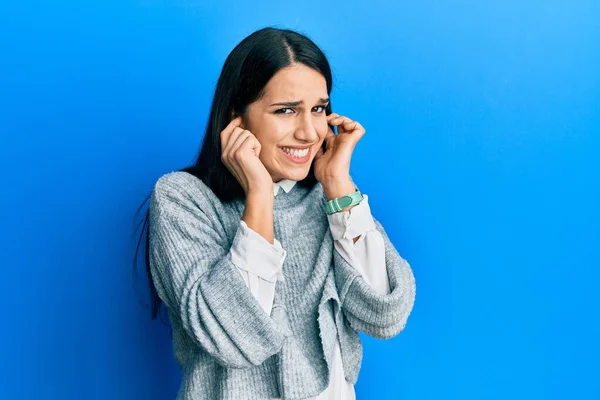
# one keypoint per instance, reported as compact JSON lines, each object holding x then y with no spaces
{"x":332,"y":167}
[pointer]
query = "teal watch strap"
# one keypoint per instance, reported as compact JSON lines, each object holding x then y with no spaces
{"x":339,"y":203}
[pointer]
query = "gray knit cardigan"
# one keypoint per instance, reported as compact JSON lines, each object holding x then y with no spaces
{"x":225,"y":344}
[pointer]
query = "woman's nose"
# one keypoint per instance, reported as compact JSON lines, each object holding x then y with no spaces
{"x":306,"y":131}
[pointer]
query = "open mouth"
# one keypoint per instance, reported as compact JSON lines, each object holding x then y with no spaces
{"x":295,"y":155}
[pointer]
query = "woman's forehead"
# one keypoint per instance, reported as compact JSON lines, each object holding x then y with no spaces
{"x":296,"y":84}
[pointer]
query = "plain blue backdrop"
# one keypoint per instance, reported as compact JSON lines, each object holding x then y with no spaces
{"x":481,"y":159}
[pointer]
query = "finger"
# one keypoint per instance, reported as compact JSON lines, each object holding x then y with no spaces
{"x":359,"y":131}
{"x":341,"y":122}
{"x":352,"y":126}
{"x":230,"y":139}
{"x":354,"y":132}
{"x":237,"y":142}
{"x":336,"y":119}
{"x":234,"y":123}
{"x":237,"y":121}
{"x":251,"y":143}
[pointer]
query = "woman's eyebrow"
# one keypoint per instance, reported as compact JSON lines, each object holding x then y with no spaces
{"x":297,"y":103}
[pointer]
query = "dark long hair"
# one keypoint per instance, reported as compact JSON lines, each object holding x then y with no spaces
{"x":246,"y":72}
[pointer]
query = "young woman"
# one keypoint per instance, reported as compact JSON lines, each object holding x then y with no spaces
{"x":264,"y":252}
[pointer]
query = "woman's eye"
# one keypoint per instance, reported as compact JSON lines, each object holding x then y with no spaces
{"x":288,"y":110}
{"x":283,"y":110}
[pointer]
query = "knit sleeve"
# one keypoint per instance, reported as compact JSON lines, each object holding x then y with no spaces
{"x":379,"y":315}
{"x":197,"y":281}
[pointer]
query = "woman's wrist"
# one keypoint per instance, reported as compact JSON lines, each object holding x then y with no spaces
{"x":258,"y":214}
{"x":334,"y":188}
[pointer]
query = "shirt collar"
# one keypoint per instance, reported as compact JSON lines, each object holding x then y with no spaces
{"x":285,"y":184}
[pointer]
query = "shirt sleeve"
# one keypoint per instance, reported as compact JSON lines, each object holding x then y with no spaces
{"x":260,"y":264}
{"x":369,"y":249}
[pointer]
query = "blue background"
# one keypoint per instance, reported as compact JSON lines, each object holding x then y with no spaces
{"x":481,"y":159}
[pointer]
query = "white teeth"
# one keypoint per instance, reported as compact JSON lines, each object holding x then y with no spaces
{"x":296,"y":153}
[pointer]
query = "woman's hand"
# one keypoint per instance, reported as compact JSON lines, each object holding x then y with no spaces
{"x":239,"y":152}
{"x":332,"y":167}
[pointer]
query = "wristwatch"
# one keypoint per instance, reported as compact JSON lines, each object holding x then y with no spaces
{"x":339,"y":203}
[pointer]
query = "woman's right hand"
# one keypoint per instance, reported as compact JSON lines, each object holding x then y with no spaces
{"x":240,"y":151}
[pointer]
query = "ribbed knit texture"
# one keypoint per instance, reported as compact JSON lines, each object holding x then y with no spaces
{"x":224,"y":342}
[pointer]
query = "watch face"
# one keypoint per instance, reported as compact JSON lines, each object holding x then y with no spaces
{"x":345,"y":201}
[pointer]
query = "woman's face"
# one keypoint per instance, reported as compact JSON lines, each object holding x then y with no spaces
{"x":290,"y":118}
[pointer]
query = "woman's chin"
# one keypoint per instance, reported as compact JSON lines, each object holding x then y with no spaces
{"x":297,"y":174}
{"x":294,"y":172}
